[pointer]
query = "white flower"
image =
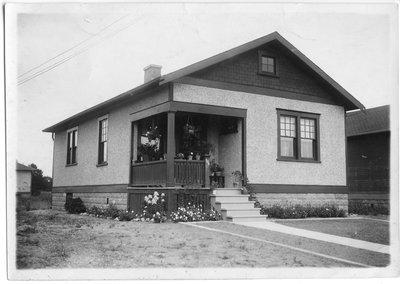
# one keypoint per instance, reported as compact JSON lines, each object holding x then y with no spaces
{"x":155,"y":193}
{"x":162,"y":194}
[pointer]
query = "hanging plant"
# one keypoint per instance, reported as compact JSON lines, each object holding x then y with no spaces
{"x":189,"y":128}
{"x":153,"y":133}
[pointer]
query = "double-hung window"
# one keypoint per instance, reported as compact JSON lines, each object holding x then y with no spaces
{"x":298,"y":136}
{"x":72,"y":146}
{"x":103,"y":137}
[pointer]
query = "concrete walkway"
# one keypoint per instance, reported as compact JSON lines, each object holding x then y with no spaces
{"x":272,"y":226}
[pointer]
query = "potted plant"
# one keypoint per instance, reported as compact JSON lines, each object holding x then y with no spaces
{"x":148,"y":151}
{"x":198,"y":156}
{"x":216,"y":169}
{"x":238,"y":178}
{"x":190,"y":156}
{"x":180,"y":156}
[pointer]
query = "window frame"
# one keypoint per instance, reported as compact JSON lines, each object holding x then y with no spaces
{"x":101,"y":162}
{"x":70,"y":151}
{"x":263,"y":53}
{"x":297,"y":144}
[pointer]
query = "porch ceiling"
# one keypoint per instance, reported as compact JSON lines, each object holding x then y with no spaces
{"x":188,"y":107}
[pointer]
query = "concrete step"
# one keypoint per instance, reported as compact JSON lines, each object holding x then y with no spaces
{"x":234,"y":205}
{"x":240,"y":212}
{"x":228,"y":191}
{"x":229,"y":198}
{"x":254,"y":218}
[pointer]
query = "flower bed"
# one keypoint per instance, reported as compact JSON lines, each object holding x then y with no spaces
{"x":154,"y":210}
{"x":191,"y":213}
{"x":301,"y":211}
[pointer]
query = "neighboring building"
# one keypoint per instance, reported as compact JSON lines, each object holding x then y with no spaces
{"x":263,"y":109}
{"x":368,"y":145}
{"x":24,"y":179}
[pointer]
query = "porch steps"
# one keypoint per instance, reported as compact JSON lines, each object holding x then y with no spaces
{"x":235,"y":206}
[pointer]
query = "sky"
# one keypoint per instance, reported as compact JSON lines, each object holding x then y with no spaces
{"x":104,"y":48}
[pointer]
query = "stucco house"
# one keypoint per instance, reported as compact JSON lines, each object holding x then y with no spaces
{"x":368,"y":140}
{"x":24,"y":179}
{"x":262,"y":109}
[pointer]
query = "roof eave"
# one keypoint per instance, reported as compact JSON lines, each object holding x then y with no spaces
{"x":75,"y":118}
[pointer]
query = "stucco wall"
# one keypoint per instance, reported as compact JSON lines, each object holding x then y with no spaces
{"x":24,"y":181}
{"x":119,"y":141}
{"x":230,"y":157}
{"x":262,"y":166}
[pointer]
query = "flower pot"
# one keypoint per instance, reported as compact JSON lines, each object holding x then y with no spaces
{"x":198,"y":157}
{"x":190,"y":157}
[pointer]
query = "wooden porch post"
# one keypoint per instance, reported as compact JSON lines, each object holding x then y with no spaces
{"x":171,"y":149}
{"x":244,"y":151}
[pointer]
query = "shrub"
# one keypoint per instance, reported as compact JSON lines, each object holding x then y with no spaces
{"x":191,"y":213}
{"x":301,"y":211}
{"x":74,"y":206}
{"x":126,"y":215}
{"x":367,"y":209}
{"x":111,"y":211}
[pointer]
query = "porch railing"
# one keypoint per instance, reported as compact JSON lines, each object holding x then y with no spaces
{"x":155,"y":173}
{"x":189,"y":172}
{"x":149,"y":173}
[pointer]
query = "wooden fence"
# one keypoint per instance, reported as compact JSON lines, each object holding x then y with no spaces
{"x":369,"y":179}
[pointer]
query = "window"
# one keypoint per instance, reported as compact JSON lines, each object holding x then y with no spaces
{"x":298,"y":136}
{"x":103,"y":132}
{"x":72,"y":146}
{"x":267,"y":64}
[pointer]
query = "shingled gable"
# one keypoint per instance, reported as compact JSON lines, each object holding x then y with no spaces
{"x":349,"y":101}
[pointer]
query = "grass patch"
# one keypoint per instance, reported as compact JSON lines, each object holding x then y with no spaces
{"x":331,"y":249}
{"x":375,"y":231}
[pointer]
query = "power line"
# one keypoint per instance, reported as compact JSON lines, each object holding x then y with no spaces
{"x":54,"y":65}
{"x":73,"y":47}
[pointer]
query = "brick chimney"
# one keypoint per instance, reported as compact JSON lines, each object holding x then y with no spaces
{"x":151,"y":72}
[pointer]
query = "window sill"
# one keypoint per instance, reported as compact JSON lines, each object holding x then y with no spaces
{"x":102,"y":164}
{"x":71,"y":165}
{"x":273,"y":75}
{"x":298,"y":160}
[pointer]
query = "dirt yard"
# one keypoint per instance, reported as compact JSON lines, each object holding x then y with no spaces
{"x":51,"y":239}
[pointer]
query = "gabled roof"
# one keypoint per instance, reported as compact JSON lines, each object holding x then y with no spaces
{"x":275,"y":36}
{"x":352,"y":103}
{"x":373,"y":120}
{"x":21,"y":167}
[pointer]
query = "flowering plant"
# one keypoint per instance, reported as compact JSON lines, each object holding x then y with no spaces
{"x":154,"y":208}
{"x":191,"y":213}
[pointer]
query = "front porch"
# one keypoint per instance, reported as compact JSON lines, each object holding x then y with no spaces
{"x":178,"y":148}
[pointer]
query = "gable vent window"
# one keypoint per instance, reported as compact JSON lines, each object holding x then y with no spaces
{"x":267,"y":64}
